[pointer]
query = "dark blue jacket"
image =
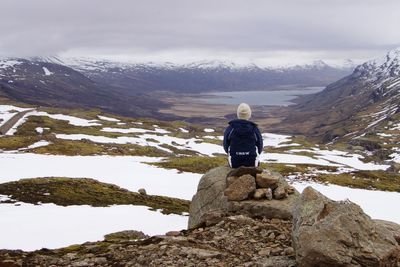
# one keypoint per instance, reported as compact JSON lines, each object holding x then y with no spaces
{"x":242,"y":141}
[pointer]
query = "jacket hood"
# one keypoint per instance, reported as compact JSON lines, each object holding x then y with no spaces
{"x":242,"y":126}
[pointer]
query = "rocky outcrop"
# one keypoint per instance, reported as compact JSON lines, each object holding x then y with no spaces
{"x":329,"y":233}
{"x":223,"y":191}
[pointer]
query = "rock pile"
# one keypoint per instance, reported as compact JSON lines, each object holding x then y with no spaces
{"x":253,"y":192}
{"x":256,"y":184}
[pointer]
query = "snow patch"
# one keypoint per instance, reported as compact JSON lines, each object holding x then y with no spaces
{"x":47,"y":72}
{"x":128,"y":172}
{"x":51,"y":226}
{"x":104,"y":118}
{"x":38,"y":144}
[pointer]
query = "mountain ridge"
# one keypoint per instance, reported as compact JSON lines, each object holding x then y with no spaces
{"x":351,"y":103}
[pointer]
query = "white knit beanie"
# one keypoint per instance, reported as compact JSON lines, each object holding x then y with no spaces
{"x":243,"y":111}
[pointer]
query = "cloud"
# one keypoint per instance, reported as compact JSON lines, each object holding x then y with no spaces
{"x":236,"y":28}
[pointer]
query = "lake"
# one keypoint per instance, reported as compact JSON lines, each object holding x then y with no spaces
{"x":262,"y":98}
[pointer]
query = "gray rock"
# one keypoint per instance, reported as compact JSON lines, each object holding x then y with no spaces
{"x":277,"y":261}
{"x":329,"y":233}
{"x":173,"y":233}
{"x":260,"y":193}
{"x":280,"y":192}
{"x":142,"y":191}
{"x":267,"y":180}
{"x":209,"y":196}
{"x":268,"y":194}
{"x":281,"y":209}
{"x":253,"y":171}
{"x":394,"y":228}
{"x":210,"y":199}
{"x":241,"y":188}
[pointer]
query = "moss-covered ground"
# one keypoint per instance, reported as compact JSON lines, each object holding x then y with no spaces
{"x":82,"y":191}
{"x":195,"y":164}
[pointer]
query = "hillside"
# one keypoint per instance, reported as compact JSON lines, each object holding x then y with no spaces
{"x":364,"y":102}
{"x":54,"y":85}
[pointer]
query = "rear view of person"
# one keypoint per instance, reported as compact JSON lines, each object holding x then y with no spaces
{"x":242,"y":140}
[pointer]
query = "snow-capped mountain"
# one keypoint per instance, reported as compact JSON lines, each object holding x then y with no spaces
{"x":48,"y":84}
{"x":201,"y":76}
{"x":367,"y":98}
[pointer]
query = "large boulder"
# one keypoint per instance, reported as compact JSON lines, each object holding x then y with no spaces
{"x":329,"y":233}
{"x":210,"y":202}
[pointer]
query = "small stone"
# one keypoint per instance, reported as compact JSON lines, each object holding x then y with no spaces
{"x":212,"y":218}
{"x":267,"y":180}
{"x":142,"y":191}
{"x":265,"y":252}
{"x":280,"y":193}
{"x":238,"y":234}
{"x":271,"y":236}
{"x":289,"y":251}
{"x":290,"y":190}
{"x":281,"y":237}
{"x":268,"y":194}
{"x":173,"y":233}
{"x":276,"y":251}
{"x":260,"y":193}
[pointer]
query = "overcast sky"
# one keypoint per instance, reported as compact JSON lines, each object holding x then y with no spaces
{"x":261,"y":31}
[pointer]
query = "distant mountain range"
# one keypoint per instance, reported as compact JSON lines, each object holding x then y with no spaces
{"x":366,"y":99}
{"x":202,"y":76}
{"x":127,"y":88}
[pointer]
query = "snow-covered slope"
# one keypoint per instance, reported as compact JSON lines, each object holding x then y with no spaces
{"x":360,"y":102}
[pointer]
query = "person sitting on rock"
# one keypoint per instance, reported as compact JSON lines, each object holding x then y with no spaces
{"x":242,"y":140}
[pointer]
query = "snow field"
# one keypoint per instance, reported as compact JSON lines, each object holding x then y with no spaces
{"x":30,"y":227}
{"x":127,"y":172}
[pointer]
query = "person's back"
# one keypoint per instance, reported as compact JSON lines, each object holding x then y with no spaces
{"x":242,"y":140}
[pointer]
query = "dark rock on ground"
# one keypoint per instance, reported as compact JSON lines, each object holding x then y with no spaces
{"x":125,"y":235}
{"x":329,"y":233}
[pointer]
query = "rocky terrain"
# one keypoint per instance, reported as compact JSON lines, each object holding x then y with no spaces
{"x":318,"y":232}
